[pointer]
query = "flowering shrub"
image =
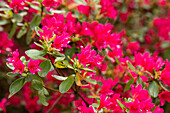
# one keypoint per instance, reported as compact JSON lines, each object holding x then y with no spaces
{"x":85,"y":56}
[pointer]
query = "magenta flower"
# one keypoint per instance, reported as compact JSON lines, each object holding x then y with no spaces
{"x":33,"y":66}
{"x":165,"y":74}
{"x":164,"y":96}
{"x":87,"y":110}
{"x":17,"y":5}
{"x":139,"y":93}
{"x":61,"y":41}
{"x":89,"y":56}
{"x":165,"y":77}
{"x":19,"y":67}
{"x":5,"y":43}
{"x":149,"y":62}
{"x":49,"y":3}
{"x":104,"y":102}
{"x":47,"y":34}
{"x":107,"y":9}
{"x":84,"y":9}
{"x":134,"y":107}
{"x":15,"y":57}
{"x":2,"y":104}
{"x":158,"y":110}
{"x":55,"y":23}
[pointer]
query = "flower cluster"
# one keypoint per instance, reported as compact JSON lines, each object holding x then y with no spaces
{"x":85,"y":56}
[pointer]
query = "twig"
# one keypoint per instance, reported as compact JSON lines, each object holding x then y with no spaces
{"x":51,"y":89}
{"x":87,"y":104}
{"x":58,"y":99}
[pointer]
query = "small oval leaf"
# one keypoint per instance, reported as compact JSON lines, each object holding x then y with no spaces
{"x":66,"y":84}
{"x":153,"y":89}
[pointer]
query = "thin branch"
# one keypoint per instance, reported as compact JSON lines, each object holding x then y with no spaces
{"x":87,"y":104}
{"x":55,"y":103}
{"x":51,"y":89}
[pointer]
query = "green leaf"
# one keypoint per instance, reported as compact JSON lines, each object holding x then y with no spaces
{"x":35,"y":7}
{"x":5,"y":9}
{"x":17,"y":17}
{"x":28,"y":37}
{"x":153,"y":89}
{"x":163,"y":86}
{"x":66,"y":84}
{"x":21,"y":33}
{"x":23,"y":59}
{"x":96,"y":105}
{"x":127,"y":87}
{"x":80,"y":2}
{"x":121,"y":105}
{"x":131,"y":66}
{"x":12,"y":32}
{"x":38,"y":45}
{"x":57,"y":54}
{"x":16,"y":86}
{"x":38,"y":29}
{"x":45,"y":91}
{"x":35,"y":54}
{"x":35,"y":21}
{"x":92,"y":81}
{"x":60,"y":58}
{"x":4,"y":22}
{"x":36,"y":84}
{"x":139,"y":81}
{"x":42,"y":97}
{"x":11,"y":74}
{"x":60,"y":64}
{"x":10,"y":65}
{"x":59,"y":77}
{"x":87,"y":69}
{"x":36,"y":77}
{"x":45,"y":66}
{"x":117,"y":61}
{"x":150,"y":74}
{"x":67,"y":64}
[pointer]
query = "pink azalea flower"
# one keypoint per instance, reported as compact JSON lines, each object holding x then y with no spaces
{"x":139,"y":93}
{"x":87,"y":110}
{"x":14,"y":58}
{"x":107,"y":8}
{"x":2,"y":104}
{"x":89,"y":56}
{"x":165,"y":77}
{"x":133,"y":47}
{"x":55,"y":23}
{"x":104,"y":102}
{"x":19,"y":67}
{"x":149,"y":62}
{"x":164,"y":96}
{"x":49,"y":3}
{"x":84,"y":9}
{"x":17,"y":5}
{"x":33,"y":66}
{"x":147,"y":105}
{"x":5,"y":43}
{"x":61,"y":41}
{"x":124,"y":16}
{"x":158,"y":110}
{"x":134,"y":107}
{"x":163,"y":26}
{"x":47,"y":34}
{"x":165,"y":74}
